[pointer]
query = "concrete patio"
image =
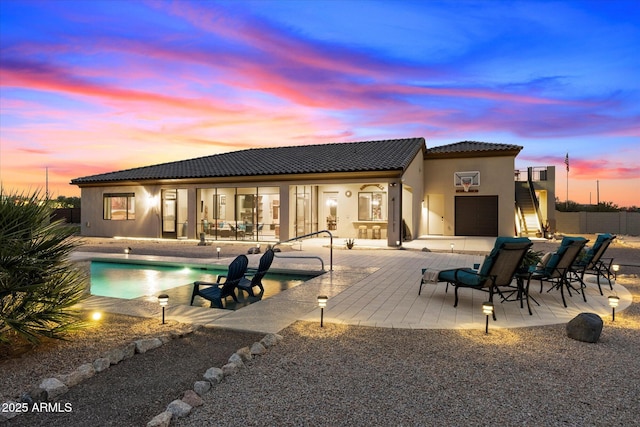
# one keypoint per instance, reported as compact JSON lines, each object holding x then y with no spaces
{"x":372,"y":285}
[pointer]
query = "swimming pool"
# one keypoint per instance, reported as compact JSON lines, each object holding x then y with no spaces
{"x":148,"y":280}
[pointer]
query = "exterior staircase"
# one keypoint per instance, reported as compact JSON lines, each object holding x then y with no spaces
{"x":527,"y":207}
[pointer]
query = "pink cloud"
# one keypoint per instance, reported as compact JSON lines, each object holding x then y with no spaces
{"x":587,"y":169}
{"x":36,"y":77}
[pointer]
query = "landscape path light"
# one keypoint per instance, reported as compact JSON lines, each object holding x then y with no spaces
{"x":163,"y":300}
{"x":322,"y":303}
{"x":614,"y":300}
{"x":487,"y":309}
{"x":451,"y":247}
{"x":615,"y":268}
{"x":218,"y":251}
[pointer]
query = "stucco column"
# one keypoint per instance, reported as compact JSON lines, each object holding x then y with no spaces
{"x":394,"y":215}
{"x":192,"y":213}
{"x":284,"y":213}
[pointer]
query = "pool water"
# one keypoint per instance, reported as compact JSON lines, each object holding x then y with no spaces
{"x":137,"y":280}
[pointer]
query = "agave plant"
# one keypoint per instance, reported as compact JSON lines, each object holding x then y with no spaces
{"x":531,"y":258}
{"x":38,"y":282}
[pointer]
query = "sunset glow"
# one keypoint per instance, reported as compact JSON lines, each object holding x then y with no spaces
{"x":89,"y":87}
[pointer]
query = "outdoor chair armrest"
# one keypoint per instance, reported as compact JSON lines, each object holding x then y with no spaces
{"x":199,"y":283}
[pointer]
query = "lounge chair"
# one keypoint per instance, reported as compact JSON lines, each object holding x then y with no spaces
{"x":216,"y":292}
{"x":594,"y":263}
{"x":556,"y":270}
{"x":498,"y":269}
{"x":257,"y":274}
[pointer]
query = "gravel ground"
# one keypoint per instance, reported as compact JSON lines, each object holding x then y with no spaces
{"x":349,"y":375}
{"x":360,"y":376}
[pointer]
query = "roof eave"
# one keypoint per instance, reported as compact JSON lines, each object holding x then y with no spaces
{"x":321,"y":176}
{"x":471,"y":154}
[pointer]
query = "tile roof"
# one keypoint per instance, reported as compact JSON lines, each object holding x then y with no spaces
{"x":472,"y":148}
{"x":387,"y":155}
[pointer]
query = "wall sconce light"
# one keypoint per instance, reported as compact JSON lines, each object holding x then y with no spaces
{"x":218,"y":251}
{"x":163,"y":300}
{"x":322,"y":303}
{"x":615,"y":269}
{"x":613,"y":302}
{"x":127,"y":250}
{"x":452,"y":245}
{"x":487,"y":309}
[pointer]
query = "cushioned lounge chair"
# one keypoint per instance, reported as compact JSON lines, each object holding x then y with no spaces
{"x":246,"y":284}
{"x":556,"y":270}
{"x":498,"y":269}
{"x":216,"y":292}
{"x":594,"y":263}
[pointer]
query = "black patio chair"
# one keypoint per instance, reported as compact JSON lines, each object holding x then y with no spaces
{"x":556,"y":270}
{"x":594,"y":263}
{"x":216,"y":292}
{"x":257,"y":274}
{"x":498,"y":269}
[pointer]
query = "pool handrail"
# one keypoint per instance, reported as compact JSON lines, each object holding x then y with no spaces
{"x":315,"y":233}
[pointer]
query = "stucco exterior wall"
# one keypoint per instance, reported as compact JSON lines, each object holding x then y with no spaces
{"x":413,"y":185}
{"x":496,"y":178}
{"x":622,"y":223}
{"x":145,"y":224}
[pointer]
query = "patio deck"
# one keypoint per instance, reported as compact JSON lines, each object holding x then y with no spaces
{"x":374,"y":286}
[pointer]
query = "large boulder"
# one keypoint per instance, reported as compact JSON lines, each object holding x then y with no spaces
{"x":585,"y":327}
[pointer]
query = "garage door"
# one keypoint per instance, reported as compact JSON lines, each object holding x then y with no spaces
{"x":476,"y":216}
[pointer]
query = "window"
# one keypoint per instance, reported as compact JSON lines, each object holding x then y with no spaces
{"x":119,"y":206}
{"x":371,"y":206}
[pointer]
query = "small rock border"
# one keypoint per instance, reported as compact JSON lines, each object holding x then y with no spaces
{"x":191,"y":398}
{"x":55,"y":386}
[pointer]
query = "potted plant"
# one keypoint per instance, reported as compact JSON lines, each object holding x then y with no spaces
{"x":531,"y":258}
{"x":350,"y":243}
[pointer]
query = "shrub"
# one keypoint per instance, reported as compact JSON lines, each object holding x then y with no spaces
{"x":38,"y":282}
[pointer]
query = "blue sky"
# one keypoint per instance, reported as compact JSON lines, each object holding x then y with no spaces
{"x":91,"y":87}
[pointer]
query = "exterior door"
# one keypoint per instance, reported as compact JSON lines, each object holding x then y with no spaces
{"x":169,"y":214}
{"x":476,"y":216}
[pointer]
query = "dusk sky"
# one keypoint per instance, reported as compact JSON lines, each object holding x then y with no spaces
{"x":89,"y":87}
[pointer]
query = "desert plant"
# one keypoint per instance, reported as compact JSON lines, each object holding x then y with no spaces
{"x":531,"y":258}
{"x":38,"y":282}
{"x":350,"y":243}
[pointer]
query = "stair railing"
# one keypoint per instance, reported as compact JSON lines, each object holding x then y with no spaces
{"x":522,"y":225}
{"x":315,"y":233}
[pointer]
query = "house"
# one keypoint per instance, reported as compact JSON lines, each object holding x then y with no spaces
{"x":391,"y":189}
